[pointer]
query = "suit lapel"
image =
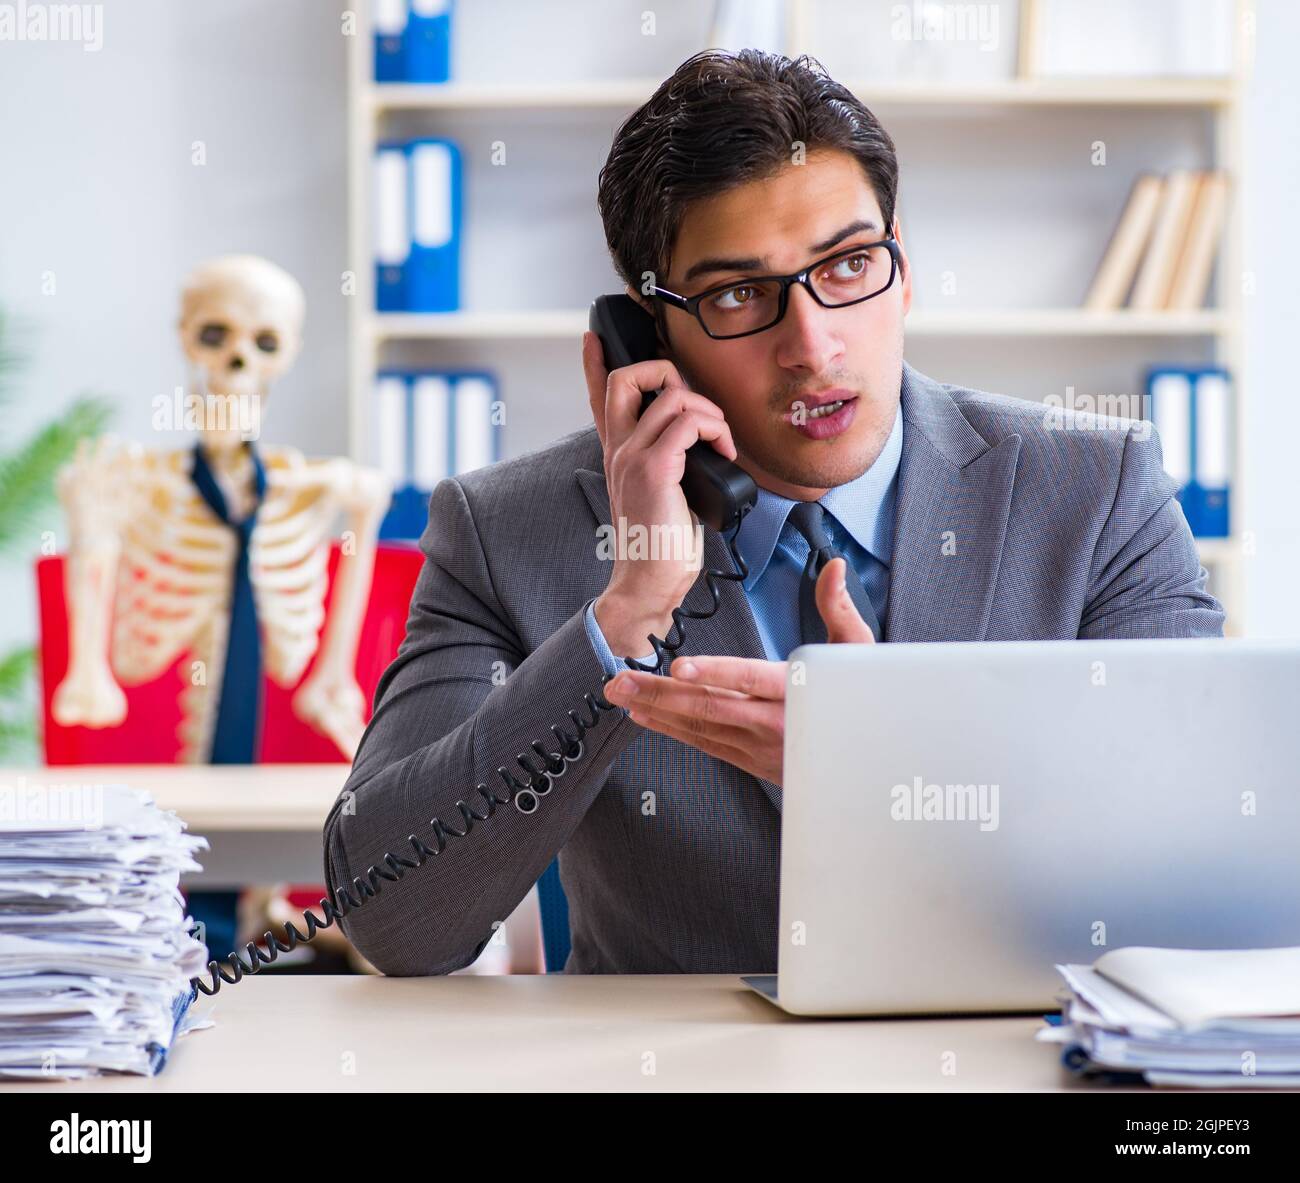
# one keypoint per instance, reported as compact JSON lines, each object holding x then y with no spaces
{"x":731,"y":630}
{"x":954,"y":497}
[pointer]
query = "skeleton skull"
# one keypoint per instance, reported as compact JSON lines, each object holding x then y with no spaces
{"x":241,"y":328}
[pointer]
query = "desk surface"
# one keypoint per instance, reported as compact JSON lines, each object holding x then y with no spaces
{"x":559,"y":1033}
{"x":218,"y":797}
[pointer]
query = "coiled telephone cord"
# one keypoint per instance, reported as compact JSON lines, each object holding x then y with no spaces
{"x":527,"y":797}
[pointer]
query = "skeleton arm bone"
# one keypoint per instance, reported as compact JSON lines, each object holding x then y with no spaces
{"x":330,"y":699}
{"x":90,"y":489}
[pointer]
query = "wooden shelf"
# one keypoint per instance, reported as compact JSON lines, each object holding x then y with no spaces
{"x":471,"y":96}
{"x":1063,"y":322}
{"x":1030,"y":322}
{"x":478,"y":326}
{"x":630,"y":93}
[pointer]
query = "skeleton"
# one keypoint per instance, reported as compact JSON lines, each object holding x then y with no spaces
{"x":150,"y":561}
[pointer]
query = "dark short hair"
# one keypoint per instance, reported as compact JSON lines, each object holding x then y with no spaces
{"x":722,"y":120}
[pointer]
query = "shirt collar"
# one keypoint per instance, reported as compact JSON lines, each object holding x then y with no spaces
{"x":863,"y":507}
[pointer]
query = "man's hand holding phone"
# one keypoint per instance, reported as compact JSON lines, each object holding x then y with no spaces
{"x":733,"y":708}
{"x":645,"y":457}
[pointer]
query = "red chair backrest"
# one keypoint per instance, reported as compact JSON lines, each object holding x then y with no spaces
{"x":148,"y":735}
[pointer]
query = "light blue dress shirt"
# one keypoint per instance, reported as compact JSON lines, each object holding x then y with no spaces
{"x":860,"y":522}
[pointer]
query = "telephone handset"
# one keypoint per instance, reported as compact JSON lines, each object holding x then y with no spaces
{"x":719,"y":492}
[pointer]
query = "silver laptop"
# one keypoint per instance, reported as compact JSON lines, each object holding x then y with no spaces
{"x":959,"y":817}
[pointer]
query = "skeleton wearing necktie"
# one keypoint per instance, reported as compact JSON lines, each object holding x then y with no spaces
{"x":152,"y":564}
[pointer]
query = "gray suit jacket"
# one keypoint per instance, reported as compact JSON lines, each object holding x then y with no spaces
{"x":1006,"y":529}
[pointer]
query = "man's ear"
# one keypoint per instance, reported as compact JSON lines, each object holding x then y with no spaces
{"x":640,"y":299}
{"x":649,"y":307}
{"x":906,"y":270}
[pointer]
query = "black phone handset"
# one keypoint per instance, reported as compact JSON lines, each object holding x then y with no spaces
{"x":718,"y":490}
{"x":720,"y":493}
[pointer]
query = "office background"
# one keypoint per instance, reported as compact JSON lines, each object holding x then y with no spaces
{"x":104,"y":193}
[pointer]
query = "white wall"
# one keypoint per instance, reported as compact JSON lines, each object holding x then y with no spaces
{"x":1272,"y":410}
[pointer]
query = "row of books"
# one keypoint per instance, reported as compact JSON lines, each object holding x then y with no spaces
{"x":1163,"y":249}
{"x":429,"y":425}
{"x":417,"y":225}
{"x":1191,"y":408}
{"x":412,"y":40}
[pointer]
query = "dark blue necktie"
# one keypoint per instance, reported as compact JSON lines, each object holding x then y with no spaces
{"x":234,"y":737}
{"x":807,"y":518}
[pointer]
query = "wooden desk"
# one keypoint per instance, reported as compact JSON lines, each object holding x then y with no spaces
{"x":559,"y":1033}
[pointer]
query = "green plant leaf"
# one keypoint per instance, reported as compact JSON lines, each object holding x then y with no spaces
{"x":17,"y":739}
{"x":27,"y":476}
{"x":17,"y":704}
{"x":15,"y":669}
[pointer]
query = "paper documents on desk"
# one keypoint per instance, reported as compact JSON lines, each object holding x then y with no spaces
{"x":95,"y":954}
{"x":1217,"y":1018}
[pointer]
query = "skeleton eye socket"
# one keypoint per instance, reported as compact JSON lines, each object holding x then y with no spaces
{"x":213,"y":335}
{"x":268,"y":342}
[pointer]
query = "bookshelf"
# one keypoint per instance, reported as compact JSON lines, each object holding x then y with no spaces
{"x":628,"y":94}
{"x":1008,"y":322}
{"x":571,"y":108}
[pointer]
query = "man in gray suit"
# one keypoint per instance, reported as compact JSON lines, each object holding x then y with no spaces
{"x":903,"y":508}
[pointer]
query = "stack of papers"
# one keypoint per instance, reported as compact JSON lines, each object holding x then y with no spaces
{"x":95,"y":955}
{"x":1185,"y":1017}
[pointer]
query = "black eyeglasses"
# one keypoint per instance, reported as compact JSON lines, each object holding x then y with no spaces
{"x":745,"y":306}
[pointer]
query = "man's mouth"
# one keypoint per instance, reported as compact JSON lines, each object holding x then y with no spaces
{"x":822,"y":416}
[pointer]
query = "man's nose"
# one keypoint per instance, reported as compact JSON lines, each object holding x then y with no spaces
{"x":808,"y":342}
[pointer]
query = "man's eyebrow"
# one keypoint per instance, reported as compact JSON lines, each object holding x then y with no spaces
{"x":852,"y":228}
{"x":704,"y":266}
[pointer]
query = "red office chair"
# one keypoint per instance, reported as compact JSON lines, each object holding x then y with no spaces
{"x":148,"y":734}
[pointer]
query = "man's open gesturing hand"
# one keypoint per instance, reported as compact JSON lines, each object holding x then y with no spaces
{"x":734,"y":707}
